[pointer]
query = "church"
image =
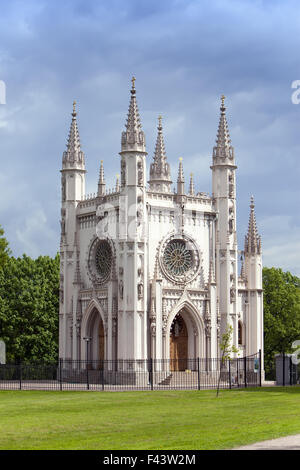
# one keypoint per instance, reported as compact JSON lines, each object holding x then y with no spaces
{"x":150,"y":268}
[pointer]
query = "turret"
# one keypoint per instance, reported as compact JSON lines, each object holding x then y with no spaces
{"x":72,"y":190}
{"x":252,"y":250}
{"x":224,"y":197}
{"x":132,"y":222}
{"x":253,"y":276}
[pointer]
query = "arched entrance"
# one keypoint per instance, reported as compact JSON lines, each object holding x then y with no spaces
{"x":95,"y":349}
{"x":178,"y":343}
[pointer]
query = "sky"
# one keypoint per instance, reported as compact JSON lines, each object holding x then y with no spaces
{"x":184,"y":54}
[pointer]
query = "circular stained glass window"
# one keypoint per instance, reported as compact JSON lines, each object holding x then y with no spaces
{"x":103,"y":259}
{"x":178,"y":258}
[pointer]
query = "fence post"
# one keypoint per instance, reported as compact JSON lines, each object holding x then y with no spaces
{"x":20,"y":374}
{"x":60,"y":374}
{"x":245,"y":370}
{"x":229,"y":372}
{"x":87,"y":376}
{"x":151,"y":373}
{"x":198,"y":368}
{"x":103,"y":367}
{"x":259,"y":367}
{"x":283,"y":369}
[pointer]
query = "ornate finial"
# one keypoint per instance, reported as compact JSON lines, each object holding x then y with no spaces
{"x":74,"y":108}
{"x":180,"y":159}
{"x":222,"y":99}
{"x":133,"y":82}
{"x":159,"y":120}
{"x":252,"y":202}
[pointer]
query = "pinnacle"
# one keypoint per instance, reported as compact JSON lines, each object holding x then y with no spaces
{"x":133,"y":138}
{"x":117,"y":183}
{"x":223,"y":138}
{"x":252,"y":239}
{"x":192,"y":186}
{"x":223,"y":146}
{"x":101,"y":173}
{"x":101,"y":182}
{"x":160,"y":169}
{"x":73,"y":154}
{"x":180,"y":178}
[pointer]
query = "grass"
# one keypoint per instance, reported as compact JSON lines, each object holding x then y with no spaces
{"x":175,"y":420}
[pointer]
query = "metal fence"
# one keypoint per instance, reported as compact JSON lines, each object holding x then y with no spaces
{"x":287,"y":369}
{"x":149,"y":374}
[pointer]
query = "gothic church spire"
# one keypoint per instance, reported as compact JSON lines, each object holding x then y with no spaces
{"x":252,"y":239}
{"x":73,"y":157}
{"x":160,"y":175}
{"x":223,"y":150}
{"x":133,"y":139}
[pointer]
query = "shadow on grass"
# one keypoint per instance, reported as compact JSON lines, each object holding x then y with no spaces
{"x":288,"y":389}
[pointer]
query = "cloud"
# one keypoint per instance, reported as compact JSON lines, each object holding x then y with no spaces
{"x":184,"y":54}
{"x":34,"y":233}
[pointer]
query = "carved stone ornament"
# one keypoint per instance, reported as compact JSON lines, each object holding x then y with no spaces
{"x":140,"y":290}
{"x":121,"y":289}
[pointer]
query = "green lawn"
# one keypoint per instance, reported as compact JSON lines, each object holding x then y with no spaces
{"x":146,"y":420}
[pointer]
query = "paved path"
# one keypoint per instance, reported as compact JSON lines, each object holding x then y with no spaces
{"x":283,"y":443}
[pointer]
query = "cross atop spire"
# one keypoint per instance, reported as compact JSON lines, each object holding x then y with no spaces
{"x":252,"y":239}
{"x":160,"y":175}
{"x":73,"y":156}
{"x":133,"y":138}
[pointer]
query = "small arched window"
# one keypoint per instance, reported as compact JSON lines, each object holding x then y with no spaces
{"x":240,"y":333}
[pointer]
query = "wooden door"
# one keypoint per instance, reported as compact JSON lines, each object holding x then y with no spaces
{"x":178,"y":344}
{"x":101,"y":344}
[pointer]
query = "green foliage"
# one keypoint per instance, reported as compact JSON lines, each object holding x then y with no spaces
{"x":227,"y":348}
{"x":281,"y":313}
{"x":29,"y":304}
{"x":4,"y":249}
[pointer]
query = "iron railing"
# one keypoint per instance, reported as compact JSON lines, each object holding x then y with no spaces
{"x":145,"y":374}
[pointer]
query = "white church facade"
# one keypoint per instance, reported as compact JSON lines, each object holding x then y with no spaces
{"x":148,"y":271}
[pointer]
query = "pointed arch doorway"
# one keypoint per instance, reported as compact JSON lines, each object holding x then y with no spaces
{"x":93,"y":327}
{"x":178,"y":343}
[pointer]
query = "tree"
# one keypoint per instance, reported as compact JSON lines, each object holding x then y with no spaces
{"x":227,"y":348}
{"x":281,"y":313}
{"x":4,"y":248}
{"x":29,"y":303}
